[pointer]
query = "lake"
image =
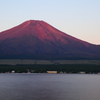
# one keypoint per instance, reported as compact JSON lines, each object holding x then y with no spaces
{"x":33,"y":86}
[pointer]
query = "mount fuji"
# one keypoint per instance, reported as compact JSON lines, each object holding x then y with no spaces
{"x":34,"y":39}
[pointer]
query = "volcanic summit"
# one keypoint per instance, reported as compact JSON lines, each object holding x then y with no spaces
{"x":35,"y":39}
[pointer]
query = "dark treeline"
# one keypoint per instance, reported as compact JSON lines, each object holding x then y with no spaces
{"x":68,"y":68}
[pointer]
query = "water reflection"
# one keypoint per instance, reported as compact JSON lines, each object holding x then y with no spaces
{"x":49,"y":87}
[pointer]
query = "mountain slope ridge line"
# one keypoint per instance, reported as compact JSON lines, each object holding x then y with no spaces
{"x":36,"y":39}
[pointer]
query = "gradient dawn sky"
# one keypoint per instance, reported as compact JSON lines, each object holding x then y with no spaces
{"x":78,"y":18}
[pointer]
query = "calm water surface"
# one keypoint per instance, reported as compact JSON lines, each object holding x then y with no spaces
{"x":49,"y":86}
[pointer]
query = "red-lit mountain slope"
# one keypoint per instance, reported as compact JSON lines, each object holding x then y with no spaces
{"x":35,"y":39}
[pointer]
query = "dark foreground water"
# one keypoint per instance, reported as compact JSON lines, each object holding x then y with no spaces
{"x":49,"y":87}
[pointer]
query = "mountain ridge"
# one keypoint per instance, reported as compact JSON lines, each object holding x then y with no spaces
{"x":34,"y":39}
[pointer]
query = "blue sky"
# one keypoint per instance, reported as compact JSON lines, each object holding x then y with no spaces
{"x":79,"y":18}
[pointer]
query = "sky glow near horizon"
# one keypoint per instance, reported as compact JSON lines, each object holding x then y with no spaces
{"x":78,"y":18}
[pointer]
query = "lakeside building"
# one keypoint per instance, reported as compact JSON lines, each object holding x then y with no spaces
{"x":82,"y":72}
{"x":52,"y":72}
{"x":12,"y":71}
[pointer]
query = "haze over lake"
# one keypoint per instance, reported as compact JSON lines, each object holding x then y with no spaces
{"x":23,"y":86}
